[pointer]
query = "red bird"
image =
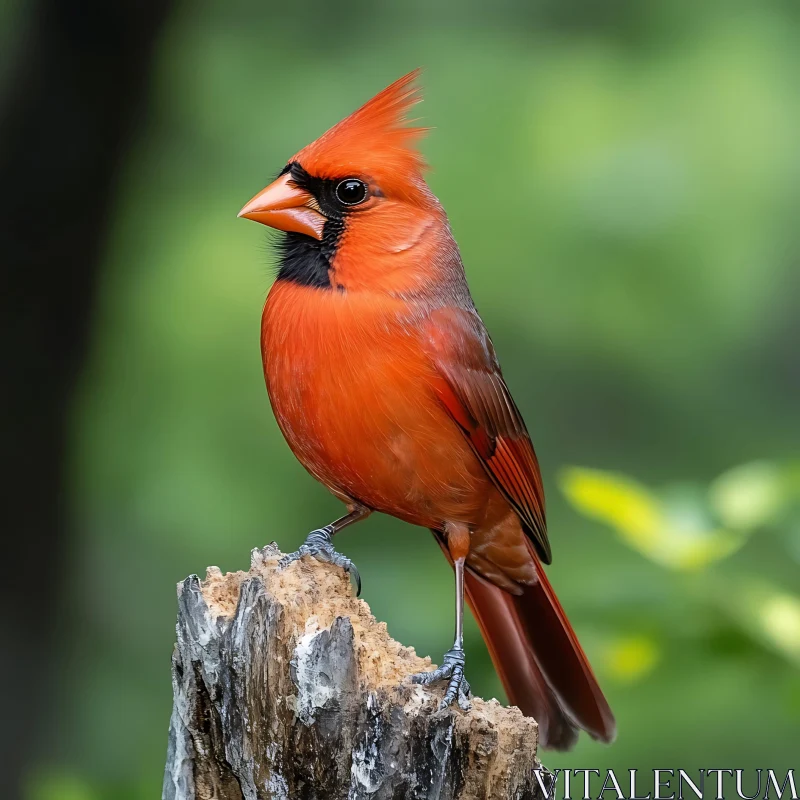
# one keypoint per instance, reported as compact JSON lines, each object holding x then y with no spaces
{"x":385,"y":383}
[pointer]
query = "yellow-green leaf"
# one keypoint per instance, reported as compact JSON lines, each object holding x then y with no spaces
{"x":769,"y":614}
{"x":682,"y":541}
{"x":780,"y":618}
{"x":55,"y":785}
{"x":630,"y":658}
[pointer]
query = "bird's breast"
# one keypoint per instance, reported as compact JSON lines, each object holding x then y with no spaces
{"x":352,"y":392}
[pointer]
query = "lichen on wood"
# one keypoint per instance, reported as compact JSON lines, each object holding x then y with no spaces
{"x":286,"y":686}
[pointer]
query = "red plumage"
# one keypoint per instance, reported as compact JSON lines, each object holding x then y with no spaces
{"x":386,"y":386}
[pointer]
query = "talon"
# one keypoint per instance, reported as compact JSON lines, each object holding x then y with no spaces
{"x":319,"y":545}
{"x":355,"y":577}
{"x":426,"y":677}
{"x":453,"y":669}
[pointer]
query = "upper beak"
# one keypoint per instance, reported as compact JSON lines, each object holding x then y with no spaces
{"x":284,"y":206}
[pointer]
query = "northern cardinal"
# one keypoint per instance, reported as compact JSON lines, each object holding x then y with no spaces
{"x":385,"y":383}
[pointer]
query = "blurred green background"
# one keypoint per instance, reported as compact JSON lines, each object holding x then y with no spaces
{"x":622,"y":178}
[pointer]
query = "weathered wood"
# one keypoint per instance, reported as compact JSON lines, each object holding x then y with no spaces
{"x":285,"y":686}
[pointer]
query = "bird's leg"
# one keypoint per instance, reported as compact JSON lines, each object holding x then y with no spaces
{"x":453,"y":662}
{"x":319,"y":545}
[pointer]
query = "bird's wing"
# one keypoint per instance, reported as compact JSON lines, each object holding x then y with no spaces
{"x":472,"y":390}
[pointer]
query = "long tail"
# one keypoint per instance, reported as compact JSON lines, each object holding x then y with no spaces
{"x":540,"y":661}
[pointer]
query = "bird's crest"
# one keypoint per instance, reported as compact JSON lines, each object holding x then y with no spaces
{"x":375,"y":140}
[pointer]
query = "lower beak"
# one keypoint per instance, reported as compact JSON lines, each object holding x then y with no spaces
{"x":285,"y":206}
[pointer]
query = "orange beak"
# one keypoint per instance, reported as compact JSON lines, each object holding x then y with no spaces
{"x":285,"y":206}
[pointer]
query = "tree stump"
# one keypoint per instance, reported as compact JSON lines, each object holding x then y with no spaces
{"x":286,"y":686}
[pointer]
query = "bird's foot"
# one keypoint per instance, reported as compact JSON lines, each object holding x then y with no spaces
{"x":452,"y":668}
{"x":319,"y":545}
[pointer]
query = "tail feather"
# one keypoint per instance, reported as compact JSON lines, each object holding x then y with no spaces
{"x":525,"y":685}
{"x":539,"y":660}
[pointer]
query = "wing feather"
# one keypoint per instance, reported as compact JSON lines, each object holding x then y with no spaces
{"x":472,"y":389}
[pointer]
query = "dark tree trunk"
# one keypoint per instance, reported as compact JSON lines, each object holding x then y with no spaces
{"x":73,"y":97}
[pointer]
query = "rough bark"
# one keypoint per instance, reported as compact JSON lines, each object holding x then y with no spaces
{"x":286,"y":686}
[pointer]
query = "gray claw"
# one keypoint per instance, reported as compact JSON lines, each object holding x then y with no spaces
{"x":319,"y":545}
{"x":452,"y":668}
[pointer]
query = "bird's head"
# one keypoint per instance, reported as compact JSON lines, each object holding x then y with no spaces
{"x":355,"y":208}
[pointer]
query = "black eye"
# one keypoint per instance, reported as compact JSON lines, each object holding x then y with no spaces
{"x":351,"y":192}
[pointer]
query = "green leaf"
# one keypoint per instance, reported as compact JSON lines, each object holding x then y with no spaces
{"x":749,"y":496}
